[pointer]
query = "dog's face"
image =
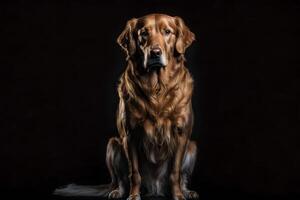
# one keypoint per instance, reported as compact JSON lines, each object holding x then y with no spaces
{"x":155,"y":40}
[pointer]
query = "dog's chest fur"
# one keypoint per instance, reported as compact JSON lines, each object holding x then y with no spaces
{"x":155,"y":117}
{"x":154,"y":107}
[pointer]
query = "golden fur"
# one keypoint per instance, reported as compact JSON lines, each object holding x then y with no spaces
{"x":158,"y":103}
{"x":153,"y":154}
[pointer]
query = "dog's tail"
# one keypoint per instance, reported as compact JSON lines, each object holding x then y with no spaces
{"x":83,"y":190}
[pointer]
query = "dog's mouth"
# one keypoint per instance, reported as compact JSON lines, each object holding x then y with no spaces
{"x":154,"y":64}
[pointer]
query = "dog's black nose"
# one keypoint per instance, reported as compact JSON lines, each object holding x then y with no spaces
{"x":155,"y":52}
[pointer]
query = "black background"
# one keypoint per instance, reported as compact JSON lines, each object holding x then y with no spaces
{"x":62,"y":64}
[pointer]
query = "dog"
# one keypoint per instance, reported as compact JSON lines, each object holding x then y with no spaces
{"x":153,"y":154}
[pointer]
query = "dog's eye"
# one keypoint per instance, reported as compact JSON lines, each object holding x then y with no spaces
{"x":167,"y":32}
{"x":144,"y":33}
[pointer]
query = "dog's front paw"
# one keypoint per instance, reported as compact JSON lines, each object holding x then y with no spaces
{"x":178,"y":197}
{"x":116,"y":194}
{"x":189,"y":194}
{"x":134,"y":197}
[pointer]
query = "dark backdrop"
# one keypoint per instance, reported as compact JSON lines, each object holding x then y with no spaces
{"x":63,"y":63}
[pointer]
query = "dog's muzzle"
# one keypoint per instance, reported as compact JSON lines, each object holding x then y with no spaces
{"x":155,"y":59}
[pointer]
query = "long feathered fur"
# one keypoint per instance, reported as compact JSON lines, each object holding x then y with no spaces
{"x":149,"y":99}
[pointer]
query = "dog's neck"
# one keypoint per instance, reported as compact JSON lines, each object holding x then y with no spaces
{"x":154,"y":83}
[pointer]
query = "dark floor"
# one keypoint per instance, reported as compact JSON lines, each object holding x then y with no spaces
{"x":204,"y":195}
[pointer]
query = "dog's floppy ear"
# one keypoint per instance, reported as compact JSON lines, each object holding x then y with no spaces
{"x":126,"y":40}
{"x":184,"y":36}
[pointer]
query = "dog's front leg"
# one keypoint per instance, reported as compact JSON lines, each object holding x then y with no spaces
{"x":134,"y":175}
{"x":176,"y":168}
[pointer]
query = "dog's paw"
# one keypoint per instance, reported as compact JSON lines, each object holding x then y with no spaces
{"x":178,"y":197}
{"x":134,"y":197}
{"x":189,"y":194}
{"x":115,"y":194}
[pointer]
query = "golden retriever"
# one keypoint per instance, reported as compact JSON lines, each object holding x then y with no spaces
{"x":153,"y":154}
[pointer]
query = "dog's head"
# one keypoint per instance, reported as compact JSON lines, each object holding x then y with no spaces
{"x":155,"y":40}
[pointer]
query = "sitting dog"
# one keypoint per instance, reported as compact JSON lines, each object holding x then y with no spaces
{"x":153,"y":154}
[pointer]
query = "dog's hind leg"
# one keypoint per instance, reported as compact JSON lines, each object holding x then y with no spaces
{"x":118,"y":168}
{"x":188,"y":165}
